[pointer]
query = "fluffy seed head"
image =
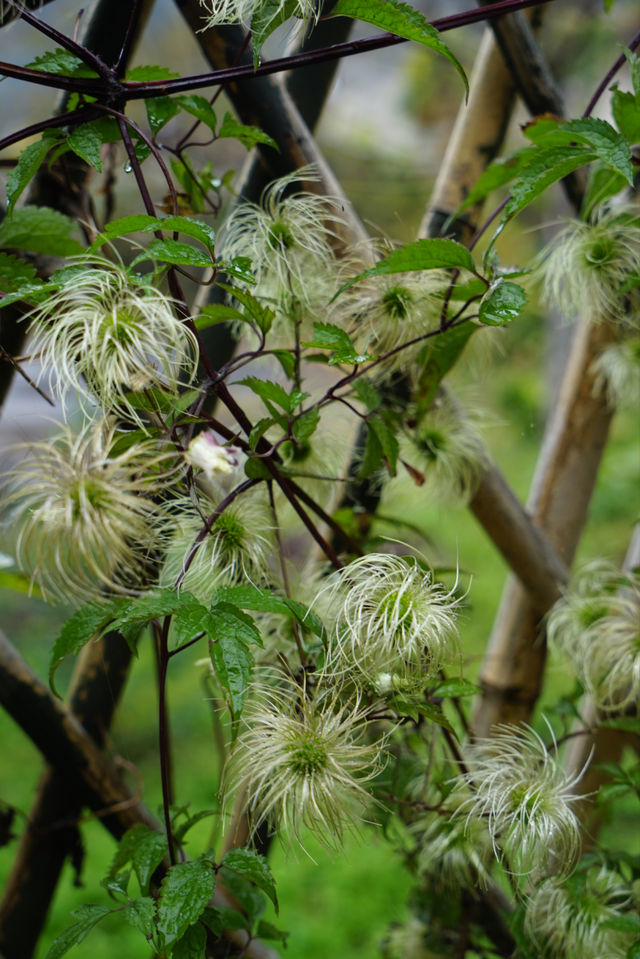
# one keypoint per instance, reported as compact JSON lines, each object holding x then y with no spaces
{"x":525,"y":797}
{"x":88,"y":521}
{"x":587,"y":263}
{"x":382,"y":313}
{"x":618,"y":370}
{"x":453,"y":854}
{"x":597,"y":626}
{"x":287,"y":236}
{"x":302,"y":762}
{"x":392,"y":617}
{"x":448,"y":450}
{"x":219,"y":12}
{"x":103,"y":329}
{"x":236,"y":549}
{"x":566,"y":918}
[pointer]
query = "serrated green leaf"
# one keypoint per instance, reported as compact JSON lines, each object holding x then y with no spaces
{"x":286,"y":360}
{"x":144,"y":849}
{"x":547,"y":166}
{"x":159,"y":111}
{"x":440,"y":355}
{"x":253,"y":867}
{"x":143,"y":74}
{"x":266,"y":930}
{"x":328,"y":336}
{"x":200,"y":108}
{"x":61,"y":62}
{"x":602,"y":184}
{"x":454,"y":688}
{"x":88,"y":916}
{"x":247,"y":135}
{"x":387,"y":440}
{"x":270,"y":393}
{"x":15,"y":273}
{"x":259,"y":313}
{"x":401,"y":19}
{"x":372,"y":454}
{"x":198,"y":229}
{"x":77,"y":631}
{"x":502,"y":303}
{"x":216,"y":313}
{"x":123,"y":226}
{"x":256,"y":469}
{"x":85,"y":140}
{"x":227,"y":618}
{"x":268,"y":16}
{"x":192,"y":944}
{"x":607,"y":144}
{"x":27,"y":166}
{"x":185,"y":891}
{"x":155,"y":605}
{"x":435,"y":714}
{"x":367,"y":393}
{"x":305,"y":425}
{"x":212,"y":919}
{"x":39,"y":229}
{"x":427,"y":254}
{"x":173,"y":251}
{"x":626,"y":113}
{"x":232,"y":662}
{"x":141,"y":914}
{"x":634,"y":68}
{"x":261,"y":600}
{"x":501,"y":171}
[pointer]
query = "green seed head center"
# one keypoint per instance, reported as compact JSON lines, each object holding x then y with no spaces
{"x":396,"y":302}
{"x":308,"y":756}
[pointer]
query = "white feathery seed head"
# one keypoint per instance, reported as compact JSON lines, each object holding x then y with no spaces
{"x":567,"y":918}
{"x":617,"y":369}
{"x":104,"y":329}
{"x":597,"y":626}
{"x":221,"y":12}
{"x":287,"y":236}
{"x":447,"y":448}
{"x":391,"y":617}
{"x":303,"y":761}
{"x":525,"y":797}
{"x":453,"y":854}
{"x":236,"y":549}
{"x":89,"y":520}
{"x":584,"y":267}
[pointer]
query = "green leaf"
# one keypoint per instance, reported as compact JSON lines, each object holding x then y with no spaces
{"x":421,"y":255}
{"x":287,"y":361}
{"x":367,"y":393}
{"x":271,"y":392}
{"x":88,"y":916}
{"x":267,"y":930}
{"x":372,"y":454}
{"x":77,"y":631}
{"x":253,"y":867}
{"x":39,"y":229}
{"x":602,"y":184}
{"x":502,"y":302}
{"x":123,"y":226}
{"x":61,"y":62}
{"x":144,"y":74}
{"x":259,"y":313}
{"x":454,"y":689}
{"x":173,"y":251}
{"x":501,"y":171}
{"x":185,"y":891}
{"x":227,"y":619}
{"x":27,"y":166}
{"x":192,"y":944}
{"x":626,"y":112}
{"x":401,"y":19}
{"x":15,"y":272}
{"x":633,"y":952}
{"x":634,"y":68}
{"x":628,"y":923}
{"x":145,"y":849}
{"x":435,"y":714}
{"x":247,"y":135}
{"x":85,"y":140}
{"x":629,"y":724}
{"x":141,"y":914}
{"x":328,"y":336}
{"x":159,"y":111}
{"x":440,"y":355}
{"x":200,"y":108}
{"x":387,"y":440}
{"x":213,"y":920}
{"x":216,"y":313}
{"x":198,"y":229}
{"x":261,"y":600}
{"x":233,"y":665}
{"x":607,"y":144}
{"x":305,"y":425}
{"x":268,"y":16}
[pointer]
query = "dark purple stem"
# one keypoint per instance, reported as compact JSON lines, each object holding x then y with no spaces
{"x":606,"y":80}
